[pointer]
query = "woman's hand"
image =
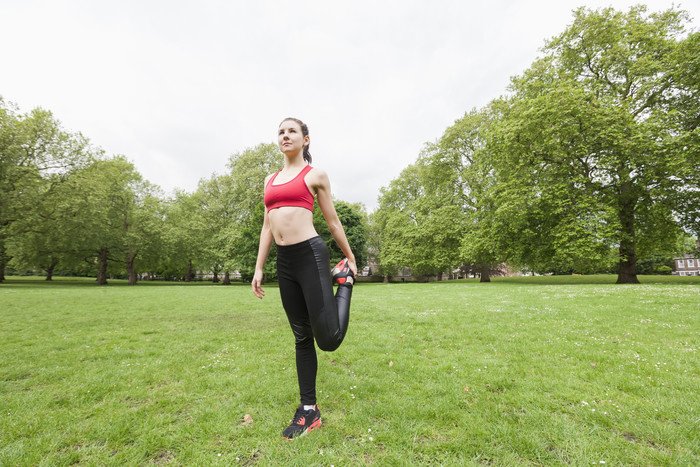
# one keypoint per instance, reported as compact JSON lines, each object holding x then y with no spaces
{"x":353,"y":267}
{"x":257,"y":284}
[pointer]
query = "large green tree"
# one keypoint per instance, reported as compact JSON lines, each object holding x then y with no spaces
{"x":36,"y":155}
{"x":39,"y":239}
{"x":186,"y":234}
{"x":107,"y":215}
{"x":420,"y":219}
{"x":218,"y":212}
{"x":241,"y":234}
{"x":143,"y":229}
{"x":463,"y":174}
{"x":354,"y":220}
{"x":600,"y":144}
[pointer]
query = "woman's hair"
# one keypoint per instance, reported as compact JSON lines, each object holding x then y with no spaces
{"x":304,"y":132}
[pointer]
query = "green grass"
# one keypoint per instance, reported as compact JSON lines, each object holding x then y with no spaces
{"x":522,"y":371}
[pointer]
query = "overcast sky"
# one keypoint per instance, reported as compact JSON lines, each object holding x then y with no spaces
{"x":178,"y":86}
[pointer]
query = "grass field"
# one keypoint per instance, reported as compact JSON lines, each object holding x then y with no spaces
{"x":530,"y":371}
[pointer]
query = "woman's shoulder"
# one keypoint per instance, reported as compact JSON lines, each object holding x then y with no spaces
{"x":317,"y":172}
{"x":317,"y":179}
{"x":269,"y":176}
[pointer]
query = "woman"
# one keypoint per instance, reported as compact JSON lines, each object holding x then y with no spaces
{"x":303,"y":264}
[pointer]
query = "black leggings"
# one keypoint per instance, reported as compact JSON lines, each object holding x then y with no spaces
{"x":306,"y":288}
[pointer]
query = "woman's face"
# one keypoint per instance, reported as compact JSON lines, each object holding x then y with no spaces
{"x":290,"y":138}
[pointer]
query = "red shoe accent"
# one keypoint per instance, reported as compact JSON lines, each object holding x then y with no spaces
{"x":314,"y":425}
{"x":342,"y":273}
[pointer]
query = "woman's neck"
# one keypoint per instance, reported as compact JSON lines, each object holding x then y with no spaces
{"x":294,"y":161}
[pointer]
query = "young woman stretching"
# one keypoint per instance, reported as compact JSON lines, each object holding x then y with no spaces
{"x":303,"y":264}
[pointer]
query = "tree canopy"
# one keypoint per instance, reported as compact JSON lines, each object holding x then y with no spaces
{"x":589,"y":163}
{"x":68,"y":207}
{"x":594,"y":149}
{"x":589,"y":142}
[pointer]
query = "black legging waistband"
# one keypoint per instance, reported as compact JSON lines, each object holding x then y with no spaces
{"x":301,"y":245}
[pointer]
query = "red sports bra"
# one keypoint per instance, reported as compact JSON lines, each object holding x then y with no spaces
{"x":292,"y":193}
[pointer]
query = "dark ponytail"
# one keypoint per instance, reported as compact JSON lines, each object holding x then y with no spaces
{"x":304,"y":132}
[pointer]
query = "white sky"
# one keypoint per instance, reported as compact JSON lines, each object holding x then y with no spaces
{"x":177,"y":86}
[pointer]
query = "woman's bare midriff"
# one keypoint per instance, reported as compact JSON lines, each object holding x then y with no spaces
{"x":290,"y":225}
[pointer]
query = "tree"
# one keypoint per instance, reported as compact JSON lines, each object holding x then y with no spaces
{"x":353,"y":218}
{"x":36,"y":155}
{"x":683,"y":117}
{"x":395,"y":217}
{"x":185,"y":235}
{"x":241,"y":235}
{"x":37,"y":239}
{"x":243,"y":240}
{"x":102,"y":212}
{"x":420,"y":221}
{"x":464,"y":173}
{"x":592,"y":152}
{"x":143,"y":228}
{"x":218,"y":213}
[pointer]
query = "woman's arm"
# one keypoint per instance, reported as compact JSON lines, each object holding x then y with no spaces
{"x":263,"y":250}
{"x":266,"y":240}
{"x":323,"y":195}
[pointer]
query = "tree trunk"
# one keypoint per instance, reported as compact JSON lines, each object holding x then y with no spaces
{"x":227,"y":278}
{"x":215,"y":279}
{"x":130,"y":270}
{"x":3,"y":260}
{"x":628,"y":263}
{"x":628,"y":251}
{"x":386,"y":279}
{"x":188,"y":274}
{"x":49,"y":270}
{"x":485,"y":273}
{"x":102,"y":268}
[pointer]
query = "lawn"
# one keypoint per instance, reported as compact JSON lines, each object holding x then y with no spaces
{"x":523,"y":371}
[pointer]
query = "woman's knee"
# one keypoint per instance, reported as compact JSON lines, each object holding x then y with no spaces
{"x":329,"y":343}
{"x":303,"y":334}
{"x":303,"y":342}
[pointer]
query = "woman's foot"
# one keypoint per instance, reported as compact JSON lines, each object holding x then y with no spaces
{"x":303,"y":422}
{"x":342,"y":273}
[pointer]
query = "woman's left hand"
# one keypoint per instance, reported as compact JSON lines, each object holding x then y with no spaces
{"x":353,"y":267}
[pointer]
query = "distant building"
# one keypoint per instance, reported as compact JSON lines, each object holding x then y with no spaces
{"x":688,"y":265}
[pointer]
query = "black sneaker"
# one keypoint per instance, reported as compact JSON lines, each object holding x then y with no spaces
{"x":342,"y":273}
{"x":303,"y":422}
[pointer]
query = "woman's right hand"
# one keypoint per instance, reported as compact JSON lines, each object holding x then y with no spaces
{"x":257,"y":284}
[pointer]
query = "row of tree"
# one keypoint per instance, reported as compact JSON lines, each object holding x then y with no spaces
{"x":592,"y":158}
{"x":595,"y":149}
{"x":66,"y":207}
